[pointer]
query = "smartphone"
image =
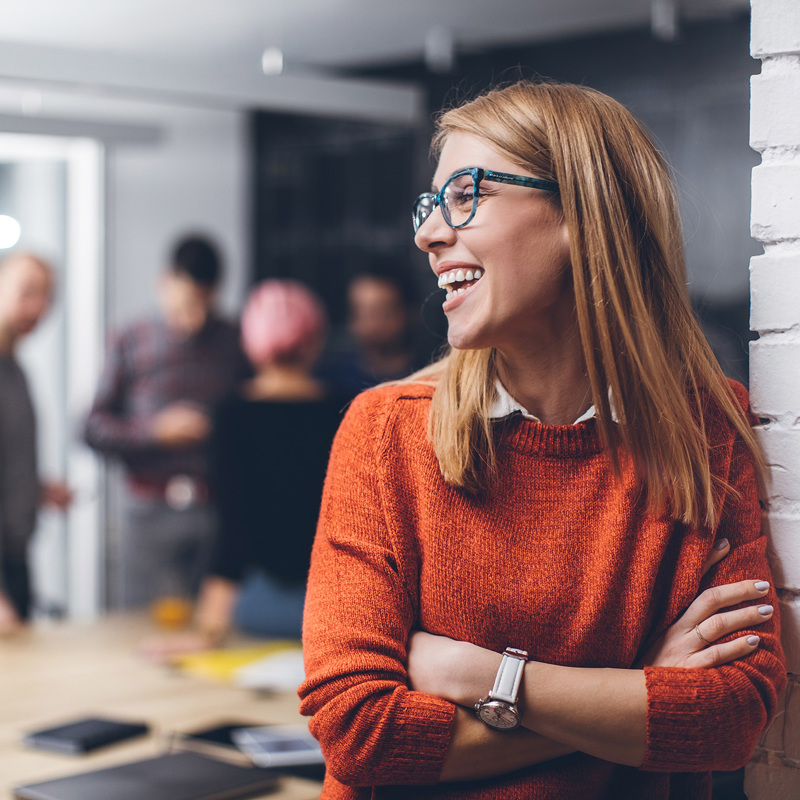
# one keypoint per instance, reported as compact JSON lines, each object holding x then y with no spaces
{"x":215,"y":741}
{"x":84,"y":735}
{"x":279,"y":745}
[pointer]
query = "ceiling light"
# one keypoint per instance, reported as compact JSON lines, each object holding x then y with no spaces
{"x":9,"y":232}
{"x":272,"y":61}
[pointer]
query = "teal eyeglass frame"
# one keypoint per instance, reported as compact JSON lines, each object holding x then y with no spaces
{"x":427,"y":202}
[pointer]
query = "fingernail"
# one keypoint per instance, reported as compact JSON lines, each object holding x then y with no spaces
{"x":761,"y":586}
{"x":753,"y":640}
{"x":765,"y":610}
{"x":720,"y":544}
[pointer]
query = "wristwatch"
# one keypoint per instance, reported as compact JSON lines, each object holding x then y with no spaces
{"x":499,"y":710}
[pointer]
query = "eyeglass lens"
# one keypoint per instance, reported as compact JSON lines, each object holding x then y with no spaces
{"x":457,"y":202}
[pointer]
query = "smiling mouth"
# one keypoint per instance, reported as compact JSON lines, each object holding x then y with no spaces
{"x":458,"y":281}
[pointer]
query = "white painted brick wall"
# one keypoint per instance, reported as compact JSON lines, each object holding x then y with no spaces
{"x":783,"y":530}
{"x":775,"y":110}
{"x":790,"y":628}
{"x":775,"y":378}
{"x":782,"y":448}
{"x":774,"y":774}
{"x":775,"y":288}
{"x":775,"y":29}
{"x":776,"y":200}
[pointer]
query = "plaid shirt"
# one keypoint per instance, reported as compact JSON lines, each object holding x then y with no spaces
{"x":149,"y":367}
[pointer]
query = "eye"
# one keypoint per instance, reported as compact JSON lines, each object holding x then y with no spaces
{"x":459,"y":192}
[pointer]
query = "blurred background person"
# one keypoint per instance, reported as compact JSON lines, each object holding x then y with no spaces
{"x":268,"y":455}
{"x":26,"y":290}
{"x":385,"y":344}
{"x":152,"y":411}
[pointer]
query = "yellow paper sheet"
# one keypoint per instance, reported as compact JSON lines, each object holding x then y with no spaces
{"x":221,"y":665}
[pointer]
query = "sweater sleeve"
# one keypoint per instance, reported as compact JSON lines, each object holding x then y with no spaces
{"x":359,"y":610}
{"x":702,"y":719}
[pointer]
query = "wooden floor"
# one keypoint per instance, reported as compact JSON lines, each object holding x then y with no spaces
{"x":59,"y":671}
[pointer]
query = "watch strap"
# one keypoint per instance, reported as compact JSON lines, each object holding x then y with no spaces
{"x":509,"y":676}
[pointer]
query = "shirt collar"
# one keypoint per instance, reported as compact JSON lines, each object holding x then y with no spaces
{"x":505,"y":405}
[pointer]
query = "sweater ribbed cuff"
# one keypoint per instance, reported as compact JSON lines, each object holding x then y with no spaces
{"x":419,"y":753}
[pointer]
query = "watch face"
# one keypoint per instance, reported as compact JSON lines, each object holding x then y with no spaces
{"x":498,"y":715}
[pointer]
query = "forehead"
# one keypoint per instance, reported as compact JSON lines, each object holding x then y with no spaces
{"x":467,"y":150}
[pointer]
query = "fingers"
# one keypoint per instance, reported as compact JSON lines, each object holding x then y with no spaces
{"x":730,"y":594}
{"x":720,"y":654}
{"x":727,"y":622}
{"x":719,"y":550}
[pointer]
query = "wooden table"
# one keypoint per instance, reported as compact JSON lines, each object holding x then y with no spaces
{"x":59,"y":671}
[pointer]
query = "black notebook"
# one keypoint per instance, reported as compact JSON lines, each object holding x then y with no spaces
{"x":84,"y":735}
{"x":175,"y":776}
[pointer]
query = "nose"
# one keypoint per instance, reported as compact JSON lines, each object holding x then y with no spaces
{"x":434,"y":232}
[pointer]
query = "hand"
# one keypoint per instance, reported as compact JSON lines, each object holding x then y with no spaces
{"x":56,"y":494}
{"x":167,"y":648}
{"x":181,"y":425}
{"x":681,"y":646}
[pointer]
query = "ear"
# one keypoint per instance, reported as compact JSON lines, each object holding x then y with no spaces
{"x":564,"y":231}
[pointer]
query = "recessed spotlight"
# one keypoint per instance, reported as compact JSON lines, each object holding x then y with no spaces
{"x":9,"y":232}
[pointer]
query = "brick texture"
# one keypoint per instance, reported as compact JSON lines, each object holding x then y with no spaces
{"x":775,"y":29}
{"x":790,"y":634}
{"x":784,"y":549}
{"x":775,"y":357}
{"x":772,"y":781}
{"x":775,"y":214}
{"x":775,"y":289}
{"x":782,"y":448}
{"x":775,"y":117}
{"x":775,"y":379}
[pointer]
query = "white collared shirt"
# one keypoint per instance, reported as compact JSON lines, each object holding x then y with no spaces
{"x":505,"y":405}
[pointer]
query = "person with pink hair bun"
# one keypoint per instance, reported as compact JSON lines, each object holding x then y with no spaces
{"x":268,"y":454}
{"x":283,"y":323}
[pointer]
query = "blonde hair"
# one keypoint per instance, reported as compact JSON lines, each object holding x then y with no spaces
{"x":640,"y":339}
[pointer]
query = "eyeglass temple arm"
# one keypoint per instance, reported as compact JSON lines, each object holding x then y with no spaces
{"x":520,"y":180}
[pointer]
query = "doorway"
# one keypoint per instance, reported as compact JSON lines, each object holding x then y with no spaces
{"x":51,"y":190}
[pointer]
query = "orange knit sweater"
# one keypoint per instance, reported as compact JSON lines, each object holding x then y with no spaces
{"x":561,"y":560}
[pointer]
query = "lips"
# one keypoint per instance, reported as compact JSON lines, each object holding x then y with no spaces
{"x":457,"y":281}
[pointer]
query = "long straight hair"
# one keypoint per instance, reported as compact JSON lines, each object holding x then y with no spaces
{"x":641,"y":342}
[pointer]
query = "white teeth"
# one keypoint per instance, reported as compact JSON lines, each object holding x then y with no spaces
{"x":447,"y":280}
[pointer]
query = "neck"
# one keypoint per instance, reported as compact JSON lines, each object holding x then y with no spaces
{"x":549,"y":382}
{"x":8,"y":341}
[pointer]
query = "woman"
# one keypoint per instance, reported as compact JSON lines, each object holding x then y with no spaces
{"x":553,"y":487}
{"x":268,"y":452}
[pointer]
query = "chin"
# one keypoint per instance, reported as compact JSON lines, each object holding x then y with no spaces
{"x":464,"y":343}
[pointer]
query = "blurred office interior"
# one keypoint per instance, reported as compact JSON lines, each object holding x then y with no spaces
{"x":297,"y":135}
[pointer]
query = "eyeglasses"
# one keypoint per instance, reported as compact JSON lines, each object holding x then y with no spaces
{"x":458,"y":198}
